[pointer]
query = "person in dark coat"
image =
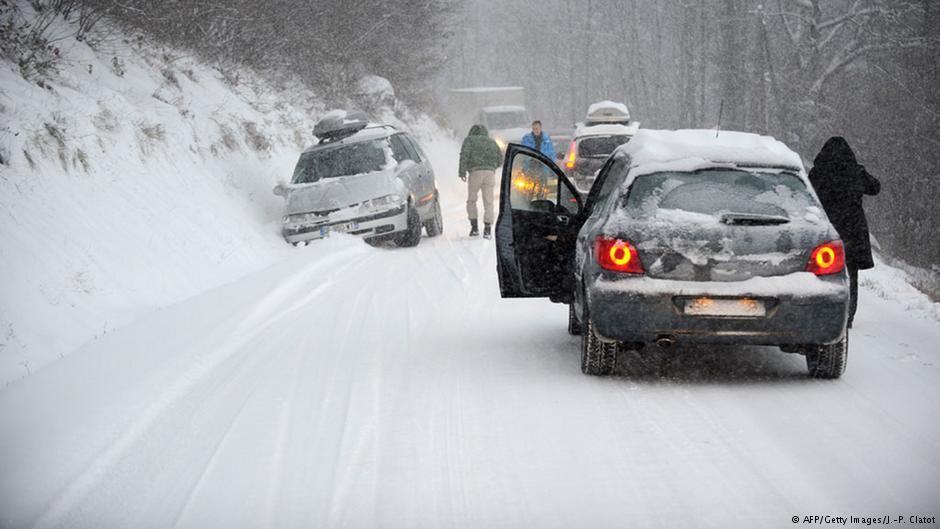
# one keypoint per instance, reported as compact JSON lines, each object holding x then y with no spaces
{"x":840,"y":182}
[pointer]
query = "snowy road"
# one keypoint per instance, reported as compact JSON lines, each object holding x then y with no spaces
{"x":350,"y":386}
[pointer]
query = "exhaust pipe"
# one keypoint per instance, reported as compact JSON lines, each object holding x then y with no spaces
{"x":665,"y":341}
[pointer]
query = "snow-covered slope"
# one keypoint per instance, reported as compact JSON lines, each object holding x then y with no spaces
{"x":135,"y":179}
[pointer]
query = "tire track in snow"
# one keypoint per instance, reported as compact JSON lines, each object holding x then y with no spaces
{"x":260,"y":318}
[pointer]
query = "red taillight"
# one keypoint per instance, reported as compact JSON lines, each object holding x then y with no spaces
{"x":827,"y":258}
{"x":617,"y":255}
{"x":571,"y":157}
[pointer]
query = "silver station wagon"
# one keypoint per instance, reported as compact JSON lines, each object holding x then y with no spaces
{"x":363,"y":179}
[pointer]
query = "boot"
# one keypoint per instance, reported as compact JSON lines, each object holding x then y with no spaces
{"x":474,"y":230}
{"x":487,"y":231}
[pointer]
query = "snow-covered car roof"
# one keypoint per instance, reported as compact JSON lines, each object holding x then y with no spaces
{"x":608,"y":111}
{"x":654,"y":151}
{"x":373,"y":131}
{"x":607,"y":129}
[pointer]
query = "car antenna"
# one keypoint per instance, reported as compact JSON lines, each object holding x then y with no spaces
{"x":721,"y":107}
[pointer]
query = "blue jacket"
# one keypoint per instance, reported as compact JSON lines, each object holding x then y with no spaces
{"x":548,"y":147}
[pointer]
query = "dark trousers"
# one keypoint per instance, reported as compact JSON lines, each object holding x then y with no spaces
{"x":853,"y":293}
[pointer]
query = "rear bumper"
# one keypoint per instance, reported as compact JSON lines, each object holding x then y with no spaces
{"x":384,"y":223}
{"x":656,"y":308}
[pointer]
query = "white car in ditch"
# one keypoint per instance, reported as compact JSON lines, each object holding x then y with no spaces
{"x":364,"y":179}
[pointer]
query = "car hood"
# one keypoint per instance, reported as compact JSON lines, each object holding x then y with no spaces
{"x":337,"y":193}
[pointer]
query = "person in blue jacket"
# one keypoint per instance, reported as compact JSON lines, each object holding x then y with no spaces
{"x":539,"y":141}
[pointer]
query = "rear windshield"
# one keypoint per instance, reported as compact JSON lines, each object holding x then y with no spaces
{"x":600,"y":146}
{"x":351,"y":159}
{"x":720,"y":192}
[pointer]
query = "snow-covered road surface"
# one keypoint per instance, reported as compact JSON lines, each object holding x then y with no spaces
{"x":351,"y":386}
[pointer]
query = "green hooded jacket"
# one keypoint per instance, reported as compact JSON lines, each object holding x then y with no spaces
{"x":479,"y":151}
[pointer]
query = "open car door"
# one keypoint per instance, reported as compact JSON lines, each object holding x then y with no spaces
{"x":539,"y":219}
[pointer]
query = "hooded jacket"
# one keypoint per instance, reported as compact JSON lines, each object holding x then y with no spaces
{"x":841,"y":182}
{"x":478,"y":151}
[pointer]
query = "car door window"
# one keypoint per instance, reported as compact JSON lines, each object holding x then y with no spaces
{"x":399,"y":149}
{"x":536,"y":187}
{"x":413,"y":148}
{"x":607,"y":180}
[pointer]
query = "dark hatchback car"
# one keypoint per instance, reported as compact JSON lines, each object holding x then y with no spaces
{"x":684,"y":238}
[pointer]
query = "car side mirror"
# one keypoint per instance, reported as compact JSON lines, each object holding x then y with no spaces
{"x":280,"y":190}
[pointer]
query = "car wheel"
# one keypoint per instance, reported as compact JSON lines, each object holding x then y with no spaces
{"x":574,"y":324}
{"x":598,"y":358}
{"x":828,"y":361}
{"x":435,"y":225}
{"x":412,"y":234}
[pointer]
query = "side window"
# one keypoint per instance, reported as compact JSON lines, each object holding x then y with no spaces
{"x":536,"y":187}
{"x":413,"y":148}
{"x":400,"y":150}
{"x":612,"y":175}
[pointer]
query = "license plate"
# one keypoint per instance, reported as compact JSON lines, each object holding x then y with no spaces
{"x":346,"y":226}
{"x":743,"y":307}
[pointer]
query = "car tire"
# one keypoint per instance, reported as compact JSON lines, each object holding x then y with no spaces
{"x":828,"y":361}
{"x":435,"y":225}
{"x":412,"y":234}
{"x":598,"y":358}
{"x":574,"y":324}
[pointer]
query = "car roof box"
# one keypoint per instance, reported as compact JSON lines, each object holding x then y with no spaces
{"x":338,"y":124}
{"x":607,"y":112}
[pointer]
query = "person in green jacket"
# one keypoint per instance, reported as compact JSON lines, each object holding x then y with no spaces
{"x":479,"y":158}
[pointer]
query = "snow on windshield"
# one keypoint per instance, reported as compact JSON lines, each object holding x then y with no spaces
{"x":345,"y":160}
{"x":712,"y":194}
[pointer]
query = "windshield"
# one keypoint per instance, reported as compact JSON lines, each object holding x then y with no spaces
{"x":351,"y":159}
{"x":505,"y":120}
{"x":600,"y":146}
{"x":719,"y":193}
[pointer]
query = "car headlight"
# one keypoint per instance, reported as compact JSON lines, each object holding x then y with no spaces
{"x":286,"y":219}
{"x":383,"y":201}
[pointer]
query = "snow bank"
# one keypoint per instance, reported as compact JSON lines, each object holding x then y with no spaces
{"x":896,"y":285}
{"x":136,"y":177}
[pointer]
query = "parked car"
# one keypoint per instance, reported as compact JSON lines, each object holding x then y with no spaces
{"x":364,"y":179}
{"x":684,"y":238}
{"x":606,"y":127}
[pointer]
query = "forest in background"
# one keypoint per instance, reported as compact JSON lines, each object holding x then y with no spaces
{"x":799,"y":70}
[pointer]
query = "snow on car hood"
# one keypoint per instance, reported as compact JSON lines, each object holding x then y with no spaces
{"x":338,"y":193}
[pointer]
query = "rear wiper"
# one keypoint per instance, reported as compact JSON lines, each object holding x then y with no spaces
{"x":752,"y":219}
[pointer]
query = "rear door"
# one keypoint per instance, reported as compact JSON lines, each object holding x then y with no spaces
{"x":539,"y":219}
{"x":426,"y":174}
